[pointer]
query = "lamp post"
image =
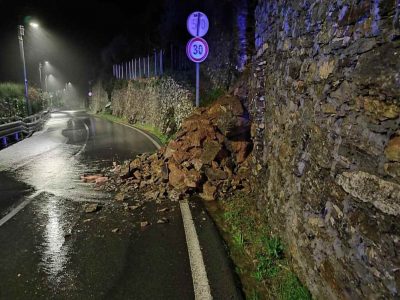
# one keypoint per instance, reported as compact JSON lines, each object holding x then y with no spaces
{"x":21,"y":32}
{"x":43,"y":74}
{"x":40,"y":75}
{"x":46,"y":79}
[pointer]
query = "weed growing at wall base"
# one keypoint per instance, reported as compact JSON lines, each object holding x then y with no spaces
{"x":150,"y":129}
{"x":259,"y":256}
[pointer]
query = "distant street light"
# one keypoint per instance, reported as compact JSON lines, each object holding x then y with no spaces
{"x":34,"y":25}
{"x":40,"y":75}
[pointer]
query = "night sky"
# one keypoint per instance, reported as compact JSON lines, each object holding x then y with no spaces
{"x":74,"y":35}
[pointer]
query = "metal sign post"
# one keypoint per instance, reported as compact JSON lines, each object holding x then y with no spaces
{"x":197,"y":48}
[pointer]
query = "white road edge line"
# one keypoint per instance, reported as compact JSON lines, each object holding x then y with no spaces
{"x":155,"y":143}
{"x":87,"y":138}
{"x":202,"y":290}
{"x":20,"y":207}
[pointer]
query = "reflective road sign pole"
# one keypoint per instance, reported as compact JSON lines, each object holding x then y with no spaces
{"x":198,"y":69}
{"x":197,"y":84}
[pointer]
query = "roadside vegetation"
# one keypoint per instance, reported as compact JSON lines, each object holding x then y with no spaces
{"x":259,"y":256}
{"x":145,"y":127}
{"x":12,"y":101}
{"x":211,"y":95}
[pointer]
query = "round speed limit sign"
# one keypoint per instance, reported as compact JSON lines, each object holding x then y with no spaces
{"x":197,"y":50}
{"x":197,"y":24}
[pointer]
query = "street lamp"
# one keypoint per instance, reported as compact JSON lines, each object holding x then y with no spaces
{"x":40,"y":75}
{"x":42,"y":71}
{"x":21,"y":32}
{"x":46,"y":80}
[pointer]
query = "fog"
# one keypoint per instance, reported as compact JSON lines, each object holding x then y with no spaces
{"x":67,"y":62}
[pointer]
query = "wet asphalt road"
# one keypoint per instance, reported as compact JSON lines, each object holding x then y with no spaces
{"x":52,"y":249}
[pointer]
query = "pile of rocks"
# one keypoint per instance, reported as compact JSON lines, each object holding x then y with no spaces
{"x":209,"y":156}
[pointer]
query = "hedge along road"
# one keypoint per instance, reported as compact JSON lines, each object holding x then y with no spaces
{"x":51,"y":248}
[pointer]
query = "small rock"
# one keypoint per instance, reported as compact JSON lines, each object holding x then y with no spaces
{"x":174,"y":195}
{"x":143,"y":184}
{"x":163,"y":209}
{"x":135,"y":164}
{"x":120,"y":197}
{"x":133,"y":207}
{"x":392,"y":151}
{"x":115,"y":230}
{"x":209,"y":191}
{"x":101,"y":181}
{"x":116,"y":169}
{"x":90,"y":178}
{"x":91,"y":208}
{"x":392,"y":169}
{"x":163,"y":221}
{"x":152,"y":195}
{"x":137,"y":175}
{"x":144,"y":224}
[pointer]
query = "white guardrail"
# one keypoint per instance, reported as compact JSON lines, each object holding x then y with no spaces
{"x":25,"y":126}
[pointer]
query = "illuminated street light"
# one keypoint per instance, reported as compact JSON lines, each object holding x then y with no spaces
{"x":21,"y":33}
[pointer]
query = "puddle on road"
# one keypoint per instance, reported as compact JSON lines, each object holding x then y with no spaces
{"x":56,"y":170}
{"x":57,"y":217}
{"x":57,"y":173}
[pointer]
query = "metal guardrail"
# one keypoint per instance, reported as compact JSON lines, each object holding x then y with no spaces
{"x":26,"y":125}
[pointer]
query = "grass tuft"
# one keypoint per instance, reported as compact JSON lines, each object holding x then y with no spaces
{"x":210,"y":96}
{"x":258,"y":254}
{"x":292,"y":289}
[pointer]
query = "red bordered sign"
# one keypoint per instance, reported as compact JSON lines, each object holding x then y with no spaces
{"x":197,"y":49}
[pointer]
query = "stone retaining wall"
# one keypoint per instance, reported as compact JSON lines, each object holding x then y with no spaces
{"x":325,"y":102}
{"x":160,"y":102}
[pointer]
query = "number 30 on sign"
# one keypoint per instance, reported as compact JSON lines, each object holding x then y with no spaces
{"x":197,"y":50}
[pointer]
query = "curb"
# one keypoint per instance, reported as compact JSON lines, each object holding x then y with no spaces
{"x":155,"y":143}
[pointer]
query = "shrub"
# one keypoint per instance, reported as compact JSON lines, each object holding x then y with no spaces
{"x":12,"y":102}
